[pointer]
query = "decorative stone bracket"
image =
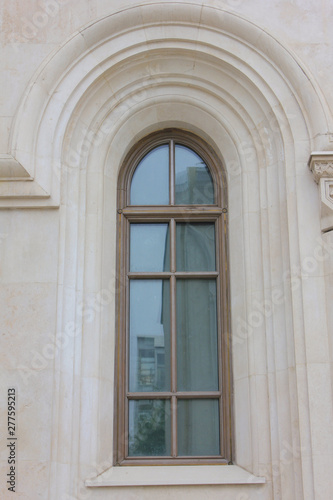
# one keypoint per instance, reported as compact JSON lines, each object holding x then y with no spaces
{"x":321,"y":166}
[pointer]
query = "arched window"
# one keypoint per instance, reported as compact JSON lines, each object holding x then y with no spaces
{"x":173,"y":362}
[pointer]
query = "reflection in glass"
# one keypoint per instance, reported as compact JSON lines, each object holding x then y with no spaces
{"x":194,"y":184}
{"x":149,"y":427}
{"x":195,"y":246}
{"x":149,"y":350}
{"x":149,"y":248}
{"x":197,"y":360}
{"x":150,"y":182}
{"x":198,"y":427}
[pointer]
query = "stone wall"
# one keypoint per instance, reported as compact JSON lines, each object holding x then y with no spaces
{"x":82,"y":83}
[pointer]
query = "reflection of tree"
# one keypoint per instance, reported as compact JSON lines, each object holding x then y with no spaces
{"x":150,"y":430}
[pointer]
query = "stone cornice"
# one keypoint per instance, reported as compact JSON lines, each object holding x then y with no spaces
{"x":12,"y":170}
{"x":18,"y":188}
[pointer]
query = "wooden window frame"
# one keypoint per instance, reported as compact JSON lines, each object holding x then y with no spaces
{"x":171,"y":214}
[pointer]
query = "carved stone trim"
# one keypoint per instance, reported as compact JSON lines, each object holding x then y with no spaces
{"x":326,"y":191}
{"x":321,"y":165}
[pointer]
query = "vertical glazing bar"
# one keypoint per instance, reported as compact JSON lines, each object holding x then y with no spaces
{"x":173,"y":364}
{"x":173,"y":245}
{"x":172,"y":172}
{"x":174,"y":450}
{"x":173,"y":334}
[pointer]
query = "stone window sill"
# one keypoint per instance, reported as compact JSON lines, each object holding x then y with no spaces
{"x":174,"y":476}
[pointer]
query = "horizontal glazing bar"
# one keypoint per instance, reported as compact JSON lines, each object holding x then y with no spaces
{"x":203,"y":274}
{"x":168,"y":395}
{"x":179,"y":211}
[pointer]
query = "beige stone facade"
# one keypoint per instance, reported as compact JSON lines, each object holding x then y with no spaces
{"x":81,"y":83}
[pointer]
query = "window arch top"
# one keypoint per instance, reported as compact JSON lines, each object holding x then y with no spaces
{"x":172,"y":174}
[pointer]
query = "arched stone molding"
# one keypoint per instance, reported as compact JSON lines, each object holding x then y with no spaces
{"x":89,"y":53}
{"x":206,"y":70}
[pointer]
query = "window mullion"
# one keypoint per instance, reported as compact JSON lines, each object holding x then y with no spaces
{"x":173,"y":246}
{"x":173,"y":364}
{"x":174,"y":447}
{"x":173,"y":339}
{"x":172,"y":172}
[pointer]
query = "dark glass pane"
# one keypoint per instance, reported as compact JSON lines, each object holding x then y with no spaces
{"x":197,"y":348}
{"x":195,"y":246}
{"x":149,"y":248}
{"x":198,"y":427}
{"x":149,"y":428}
{"x":149,"y":346}
{"x":150,"y":182}
{"x":194,"y":184}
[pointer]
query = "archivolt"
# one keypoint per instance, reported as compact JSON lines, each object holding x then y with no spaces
{"x":220,"y":63}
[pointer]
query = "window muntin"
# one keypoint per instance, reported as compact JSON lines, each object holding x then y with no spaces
{"x":176,"y":378}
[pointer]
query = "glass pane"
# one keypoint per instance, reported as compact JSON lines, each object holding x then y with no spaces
{"x":149,"y":350}
{"x":149,"y":427}
{"x":197,"y":356}
{"x":194,"y":184}
{"x":198,"y":427}
{"x":195,"y":246}
{"x":150,"y":182}
{"x":149,"y":247}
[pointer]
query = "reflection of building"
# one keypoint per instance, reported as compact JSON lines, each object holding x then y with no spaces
{"x":146,"y":421}
{"x":191,"y":175}
{"x":194,"y":184}
{"x":151,"y":363}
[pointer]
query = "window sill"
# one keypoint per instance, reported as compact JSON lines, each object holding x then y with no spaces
{"x":174,"y":476}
